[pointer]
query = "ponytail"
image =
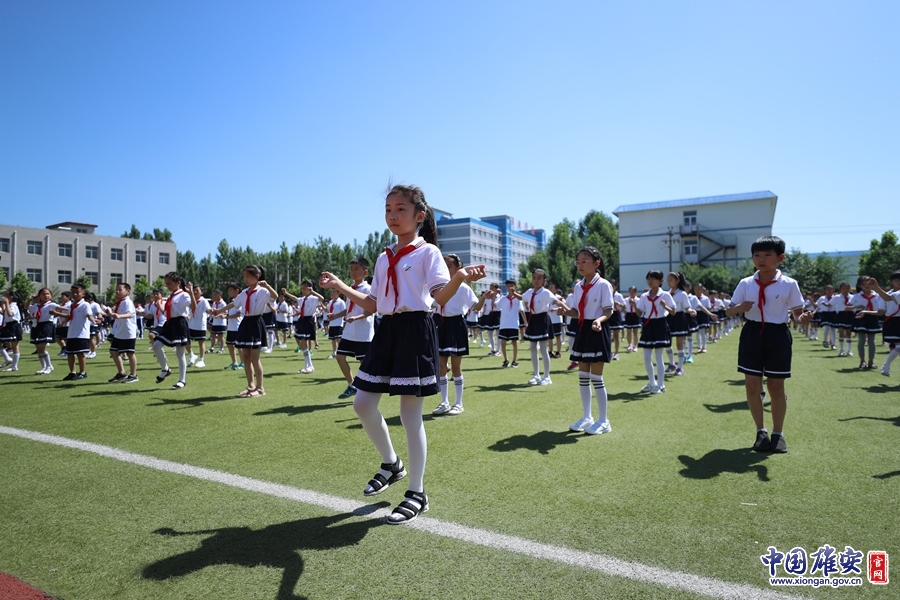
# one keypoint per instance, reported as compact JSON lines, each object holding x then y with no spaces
{"x":428,"y":227}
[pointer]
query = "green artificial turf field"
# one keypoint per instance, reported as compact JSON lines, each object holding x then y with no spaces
{"x":673,"y":487}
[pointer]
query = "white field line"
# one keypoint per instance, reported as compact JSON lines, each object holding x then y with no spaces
{"x":706,"y":586}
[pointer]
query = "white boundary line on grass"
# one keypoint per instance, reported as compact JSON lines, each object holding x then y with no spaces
{"x":609,"y":565}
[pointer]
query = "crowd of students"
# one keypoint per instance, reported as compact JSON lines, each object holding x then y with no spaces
{"x":410,"y":323}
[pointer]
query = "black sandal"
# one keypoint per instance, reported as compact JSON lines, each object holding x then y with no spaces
{"x":162,"y":377}
{"x":415,"y":504}
{"x":379,"y":483}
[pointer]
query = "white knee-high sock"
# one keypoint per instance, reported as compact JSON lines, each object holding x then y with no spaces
{"x":670,"y":355}
{"x":660,"y":368}
{"x":648,"y":364}
{"x":492,"y":339}
{"x":458,"y":386}
{"x":545,"y":353}
{"x":47,"y":364}
{"x":445,"y":392}
{"x":6,"y":356}
{"x":602,"y":396}
{"x":15,"y":360}
{"x":307,"y":358}
{"x":584,"y":387}
{"x":690,"y":345}
{"x":182,"y":362}
{"x":416,"y":442}
{"x":160,"y":355}
{"x":365,"y":404}
{"x":890,"y":358}
{"x":534,"y":359}
{"x":681,"y":359}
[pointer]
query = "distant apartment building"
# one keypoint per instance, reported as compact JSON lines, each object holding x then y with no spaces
{"x":54,"y":257}
{"x":498,"y":242}
{"x":707,"y":231}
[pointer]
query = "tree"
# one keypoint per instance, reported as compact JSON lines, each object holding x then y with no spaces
{"x":140,"y":290}
{"x":84,"y":281}
{"x":598,"y":229}
{"x":882,"y":259}
{"x":2,"y":280}
{"x":21,"y":285}
{"x":158,"y":235}
{"x":134,"y":233}
{"x":718,"y":277}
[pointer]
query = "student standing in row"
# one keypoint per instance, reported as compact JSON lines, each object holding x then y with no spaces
{"x":538,"y":301}
{"x":78,"y":320}
{"x":869,"y":308}
{"x":510,"y":307}
{"x":305,"y":333}
{"x":359,"y":326}
{"x":11,"y":333}
{"x":175,"y":332}
{"x":62,"y":330}
{"x":124,"y":335}
{"x":767,"y":299}
{"x":197,"y":327}
{"x":409,"y":278}
{"x":44,"y":330}
{"x":337,"y":308}
{"x":593,"y":305}
{"x":654,"y":306}
{"x":218,"y":326}
{"x":891,"y":329}
{"x":234,"y":314}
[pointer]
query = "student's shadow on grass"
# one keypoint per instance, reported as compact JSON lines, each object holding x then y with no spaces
{"x":274,"y":546}
{"x":884,"y":388}
{"x":293,"y":411}
{"x":542,"y":441}
{"x":893,"y":420}
{"x":886,"y":475}
{"x":716,"y":462}
{"x":120,"y":390}
{"x":628,"y":396}
{"x":503,"y":387}
{"x":181,"y":403}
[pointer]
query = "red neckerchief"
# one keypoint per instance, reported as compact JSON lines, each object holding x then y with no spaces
{"x":653,"y":310}
{"x":510,"y":298}
{"x":72,"y":310}
{"x":249,"y":293}
{"x":169,"y":303}
{"x":531,"y":302}
{"x":761,"y":299}
{"x":581,"y":303}
{"x":869,"y":305}
{"x":40,"y":308}
{"x":116,"y":309}
{"x":303,"y":307}
{"x":350,"y":306}
{"x":331,"y":307}
{"x":630,"y":305}
{"x":393,"y":259}
{"x":846,"y":298}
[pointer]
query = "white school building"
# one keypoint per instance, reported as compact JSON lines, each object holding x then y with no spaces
{"x":708,"y":231}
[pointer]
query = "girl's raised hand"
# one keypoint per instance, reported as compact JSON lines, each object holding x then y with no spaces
{"x":472,"y":272}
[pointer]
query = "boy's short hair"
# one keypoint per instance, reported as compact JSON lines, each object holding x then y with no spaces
{"x":66,"y":294}
{"x":510,"y":282}
{"x":307,"y":282}
{"x":768,"y":242}
{"x":157,"y":291}
{"x":361,"y":261}
{"x":217,"y":291}
{"x":495,"y":286}
{"x":77,"y":286}
{"x":895,"y":275}
{"x":233,"y":286}
{"x":654,"y":274}
{"x":126,"y":286}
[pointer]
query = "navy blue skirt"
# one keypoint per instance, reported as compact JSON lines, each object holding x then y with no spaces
{"x":403,"y":359}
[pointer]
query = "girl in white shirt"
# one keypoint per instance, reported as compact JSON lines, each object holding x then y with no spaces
{"x":175,"y":332}
{"x":11,"y":333}
{"x":409,"y":278}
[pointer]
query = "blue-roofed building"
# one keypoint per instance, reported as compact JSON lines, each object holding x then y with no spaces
{"x":497,"y":242}
{"x":707,"y":231}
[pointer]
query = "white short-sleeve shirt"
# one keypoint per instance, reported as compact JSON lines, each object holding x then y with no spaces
{"x":360,"y":330}
{"x":333,"y":307}
{"x":781,"y":297}
{"x":646,"y":305}
{"x":543,"y":300}
{"x":198,"y":317}
{"x":418,"y":275}
{"x":124,"y":329}
{"x":460,"y":303}
{"x":599,"y":297}
{"x":178,"y":304}
{"x":259,"y":299}
{"x":44,"y":309}
{"x":78,"y":322}
{"x":215,"y":305}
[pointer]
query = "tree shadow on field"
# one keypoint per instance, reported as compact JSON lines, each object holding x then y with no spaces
{"x":726,"y":408}
{"x":628,"y":396}
{"x":884,"y":388}
{"x":274,"y":546}
{"x":716,"y":462}
{"x":542,"y":441}
{"x":293,"y":411}
{"x":886,"y":475}
{"x":121,"y":390}
{"x":503,"y":387}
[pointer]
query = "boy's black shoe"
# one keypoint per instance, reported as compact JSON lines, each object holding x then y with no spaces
{"x":763,"y":443}
{"x":778,"y":444}
{"x":70,"y":377}
{"x":81,"y":375}
{"x":119,"y":377}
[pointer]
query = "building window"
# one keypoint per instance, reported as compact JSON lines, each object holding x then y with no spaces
{"x":91,"y":251}
{"x":80,"y":230}
{"x":4,"y":244}
{"x":115,"y":278}
{"x":115,"y":254}
{"x":137,"y":279}
{"x":691,"y":249}
{"x":65,"y":250}
{"x":92,"y":275}
{"x":34,"y":275}
{"x":690,"y":218}
{"x":140,"y":256}
{"x":35,"y":247}
{"x":64,"y":277}
{"x":163,"y":258}
{"x":5,"y":272}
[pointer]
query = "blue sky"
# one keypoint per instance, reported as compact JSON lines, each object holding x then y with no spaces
{"x":266,"y":122}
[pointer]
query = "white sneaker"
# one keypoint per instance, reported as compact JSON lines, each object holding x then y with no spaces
{"x":10,"y":369}
{"x":648,"y":388}
{"x":200,"y":364}
{"x":546,"y":380}
{"x":441,"y":409}
{"x":45,"y":371}
{"x":536,"y":380}
{"x":192,"y":360}
{"x":307,"y":370}
{"x":455,"y":409}
{"x":330,"y":356}
{"x":49,"y":369}
{"x":91,"y":355}
{"x":885,"y":373}
{"x":598,"y":428}
{"x":581,"y":424}
{"x":655,"y":389}
{"x":267,"y":350}
{"x":282,"y":345}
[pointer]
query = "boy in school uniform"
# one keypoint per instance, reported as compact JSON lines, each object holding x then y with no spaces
{"x":537,"y":302}
{"x":767,"y":299}
{"x":359,"y":326}
{"x":79,"y":318}
{"x":510,"y":307}
{"x":124,"y":334}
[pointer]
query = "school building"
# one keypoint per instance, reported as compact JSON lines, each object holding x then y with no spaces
{"x":498,"y":242}
{"x":707,"y":231}
{"x":54,"y":257}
